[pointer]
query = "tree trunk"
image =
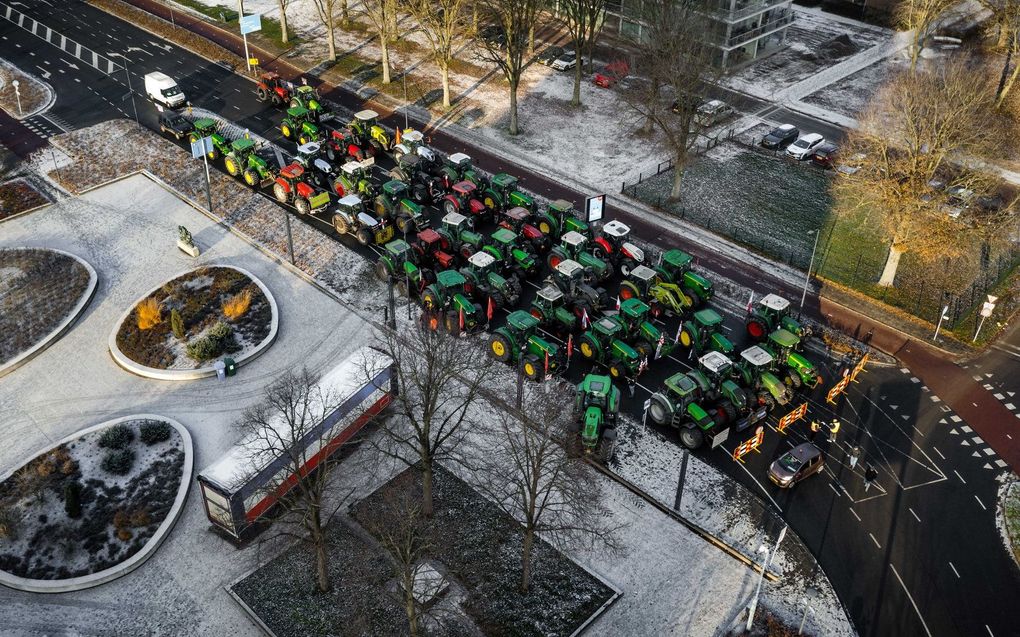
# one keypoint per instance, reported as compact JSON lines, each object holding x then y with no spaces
{"x":891,"y":264}
{"x":576,"y":100}
{"x":1008,"y":86}
{"x":331,"y":37}
{"x":283,"y":21}
{"x":915,"y":52}
{"x":531,"y":39}
{"x":444,"y":68}
{"x":678,"y":176}
{"x":345,"y":13}
{"x":513,"y":108}
{"x":1002,"y":78}
{"x":319,"y":539}
{"x":426,"y":489}
{"x":385,"y":59}
{"x":649,"y":124}
{"x":409,"y":607}
{"x":529,"y":542}
{"x":474,"y":18}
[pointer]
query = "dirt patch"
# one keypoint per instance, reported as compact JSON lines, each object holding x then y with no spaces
{"x":38,"y":288}
{"x":18,"y":196}
{"x":34,"y":94}
{"x":208,"y":326}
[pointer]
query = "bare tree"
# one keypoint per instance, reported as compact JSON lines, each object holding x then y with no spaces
{"x":327,"y":12}
{"x":440,"y":380}
{"x":529,"y":475}
{"x":443,"y":24}
{"x":919,"y":150}
{"x":1004,"y":28}
{"x":677,"y":63}
{"x":382,"y":15}
{"x":921,"y":17}
{"x":515,"y":18}
{"x":284,"y":33}
{"x":279,"y":427}
{"x":583,"y":20}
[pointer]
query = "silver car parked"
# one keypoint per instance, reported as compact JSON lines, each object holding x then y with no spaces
{"x":796,"y":464}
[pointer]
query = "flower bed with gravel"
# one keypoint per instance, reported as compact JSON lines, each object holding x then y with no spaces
{"x":16,"y":196}
{"x":91,"y":502}
{"x":39,"y":288}
{"x":196,"y":318}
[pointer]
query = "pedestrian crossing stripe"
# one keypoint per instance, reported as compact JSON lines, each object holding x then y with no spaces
{"x":62,"y":42}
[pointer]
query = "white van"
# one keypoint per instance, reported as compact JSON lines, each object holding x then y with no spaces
{"x":161,"y":88}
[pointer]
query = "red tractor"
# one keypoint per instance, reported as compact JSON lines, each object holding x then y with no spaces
{"x":342,"y":142}
{"x":272,"y":88}
{"x":520,"y":220}
{"x":463,"y":198}
{"x":291,"y":188}
{"x":431,"y":249}
{"x":612,"y":246}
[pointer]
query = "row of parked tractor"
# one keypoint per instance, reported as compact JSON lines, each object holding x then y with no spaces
{"x":596,"y":288}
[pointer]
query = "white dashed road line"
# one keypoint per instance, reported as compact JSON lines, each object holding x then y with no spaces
{"x":956,"y":572}
{"x":938,"y":452}
{"x":855,"y":515}
{"x":959,"y":476}
{"x":875,"y":541}
{"x":913,"y":514}
{"x":912,"y":603}
{"x":981,"y":503}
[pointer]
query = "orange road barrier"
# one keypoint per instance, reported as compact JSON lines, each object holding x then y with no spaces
{"x":749,"y":445}
{"x":837,"y":389}
{"x":791,"y":418}
{"x":858,"y":368}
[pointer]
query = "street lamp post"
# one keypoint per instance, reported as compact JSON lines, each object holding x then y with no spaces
{"x":17,"y":94}
{"x":811,"y":263}
{"x":127,"y":75}
{"x":761,"y":578}
{"x":809,"y":594}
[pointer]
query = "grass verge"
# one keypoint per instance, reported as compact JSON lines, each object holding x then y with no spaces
{"x":271,"y":33}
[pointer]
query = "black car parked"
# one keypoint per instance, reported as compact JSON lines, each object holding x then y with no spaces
{"x":171,"y":123}
{"x":781,"y":137}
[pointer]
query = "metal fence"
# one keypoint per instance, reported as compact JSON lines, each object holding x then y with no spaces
{"x":699,"y":148}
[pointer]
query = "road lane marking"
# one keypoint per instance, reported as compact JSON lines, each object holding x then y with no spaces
{"x":912,"y":603}
{"x":938,"y":452}
{"x":913,"y":514}
{"x":960,"y":477}
{"x":855,"y":514}
{"x":980,"y":502}
{"x":875,"y":541}
{"x":989,"y":630}
{"x":834,"y":490}
{"x":954,"y":570}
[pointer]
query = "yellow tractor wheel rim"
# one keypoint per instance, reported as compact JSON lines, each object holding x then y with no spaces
{"x":489,"y":203}
{"x":249,"y":179}
{"x":285,"y":130}
{"x":685,"y":338}
{"x":497,"y":348}
{"x":529,"y":369}
{"x":544,"y":227}
{"x":587,"y":350}
{"x":231,"y":166}
{"x":615,"y":373}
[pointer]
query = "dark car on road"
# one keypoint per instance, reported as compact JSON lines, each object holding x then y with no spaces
{"x":171,"y":123}
{"x":796,"y":464}
{"x":825,"y":155}
{"x":781,"y":137}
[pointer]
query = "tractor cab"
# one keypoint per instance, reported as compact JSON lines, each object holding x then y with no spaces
{"x":355,"y":170}
{"x":569,"y":274}
{"x":608,"y":327}
{"x":644,"y":277}
{"x":784,"y":342}
{"x":757,"y":358}
{"x":399,"y":251}
{"x":292,"y":173}
{"x":242,"y":147}
{"x":464,"y":189}
{"x":799,"y":370}
{"x":394,"y":190}
{"x":682,"y":386}
{"x":771,"y":313}
{"x":351,"y":204}
{"x":364,"y":121}
{"x":708,"y":320}
{"x":451,"y":281}
{"x":431,"y":244}
{"x":412,"y":142}
{"x":205,"y":126}
{"x":459,"y":161}
{"x":634,"y":312}
{"x":299,"y":114}
{"x":454,"y":223}
{"x":503,"y":183}
{"x":561,"y":217}
{"x":521,"y":325}
{"x":309,"y":155}
{"x":716,"y":365}
{"x":574,"y":241}
{"x":308,"y":97}
{"x":482,"y":262}
{"x":755,"y":370}
{"x":616,"y":231}
{"x":675,"y":266}
{"x":548,"y":299}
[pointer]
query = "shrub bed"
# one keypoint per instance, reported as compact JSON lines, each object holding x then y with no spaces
{"x":38,"y":289}
{"x":76,"y":510}
{"x":207,"y":305}
{"x":17,"y":195}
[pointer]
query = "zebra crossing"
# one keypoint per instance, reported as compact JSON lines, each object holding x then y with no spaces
{"x":45,"y":126}
{"x":88,"y":56}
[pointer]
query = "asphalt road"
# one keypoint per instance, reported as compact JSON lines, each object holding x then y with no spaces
{"x":916,"y":554}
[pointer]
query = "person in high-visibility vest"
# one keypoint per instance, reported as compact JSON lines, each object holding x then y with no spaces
{"x":833,"y":429}
{"x":815,"y":428}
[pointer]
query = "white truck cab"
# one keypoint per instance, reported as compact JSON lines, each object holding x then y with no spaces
{"x":161,"y":88}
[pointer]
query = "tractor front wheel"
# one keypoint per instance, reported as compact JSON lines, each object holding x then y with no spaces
{"x":659,"y":410}
{"x":589,"y":348}
{"x":302,"y":205}
{"x":276,"y":100}
{"x":686,"y":337}
{"x":402,"y":288}
{"x":302,"y":140}
{"x":341,"y":226}
{"x":691,"y":437}
{"x":404,"y":224}
{"x":767,"y":400}
{"x":251,"y":178}
{"x":231,"y":165}
{"x":499,"y":348}
{"x":555,"y":258}
{"x":793,"y":380}
{"x":382,"y":272}
{"x":617,"y":369}
{"x":689,"y":293}
{"x":626,"y":266}
{"x":262,"y":94}
{"x":364,"y":236}
{"x":629,"y":291}
{"x":532,"y":369}
{"x":756,"y":329}
{"x":281,"y":193}
{"x":286,"y":130}
{"x":449,"y":207}
{"x":729,"y":412}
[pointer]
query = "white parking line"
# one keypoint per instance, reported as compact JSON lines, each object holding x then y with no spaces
{"x":900,"y":580}
{"x":834,"y":490}
{"x":913,"y":514}
{"x":938,"y":452}
{"x":875,"y":541}
{"x":981,"y":503}
{"x":855,"y":514}
{"x":959,"y":476}
{"x":989,"y":630}
{"x":954,"y":570}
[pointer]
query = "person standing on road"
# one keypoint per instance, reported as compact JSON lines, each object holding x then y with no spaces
{"x":855,"y":455}
{"x":869,"y":476}
{"x":815,"y":428}
{"x":631,"y":385}
{"x":833,"y":429}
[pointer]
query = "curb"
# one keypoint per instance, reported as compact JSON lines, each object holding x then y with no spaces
{"x":201,"y":372}
{"x":51,"y":99}
{"x":68,"y":321}
{"x":139,"y":558}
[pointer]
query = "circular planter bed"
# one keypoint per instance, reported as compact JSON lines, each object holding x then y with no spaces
{"x":94,"y":506}
{"x":180,"y":329}
{"x":42,"y":292}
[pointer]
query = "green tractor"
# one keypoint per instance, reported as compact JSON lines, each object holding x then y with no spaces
{"x":243,"y":160}
{"x":502,"y":194}
{"x":298,"y":124}
{"x":350,"y":217}
{"x":675,"y":266}
{"x":676,"y":405}
{"x":731,"y":403}
{"x":596,"y":411}
{"x":484,"y":282}
{"x":207,"y":127}
{"x":550,"y":307}
{"x":755,"y":370}
{"x":645,"y":283}
{"x":573,"y":245}
{"x":458,"y":231}
{"x":648,"y":340}
{"x":393,"y":202}
{"x":399,"y":261}
{"x":307,"y":97}
{"x":355,"y":178}
{"x":505,"y":247}
{"x":457,"y":168}
{"x":367,"y":130}
{"x":560,"y":217}
{"x":703,"y":332}
{"x":573,"y":280}
{"x":799,"y":371}
{"x":519,"y":338}
{"x":603,"y":343}
{"x":446,"y":296}
{"x":772,"y":313}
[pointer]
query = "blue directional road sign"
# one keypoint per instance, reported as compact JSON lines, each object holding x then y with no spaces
{"x":200,"y":147}
{"x":251,"y":23}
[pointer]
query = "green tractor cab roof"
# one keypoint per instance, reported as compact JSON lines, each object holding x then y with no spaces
{"x":634,"y":308}
{"x":597,"y":385}
{"x":481,"y":260}
{"x":454,"y":219}
{"x":504,"y":236}
{"x":677,"y":258}
{"x":294,"y":171}
{"x":716,"y":362}
{"x":367,"y":115}
{"x":395,"y":188}
{"x":756,"y":356}
{"x":503,"y":180}
{"x":299,"y":112}
{"x":681,"y":384}
{"x":774,"y":302}
{"x":398,"y":247}
{"x":707,"y":318}
{"x":450,"y":279}
{"x":517,"y":214}
{"x":305,"y":89}
{"x":616,"y":229}
{"x":205,"y":122}
{"x":550,"y":294}
{"x":643,"y":273}
{"x":521,"y":321}
{"x":782,"y":338}
{"x":459,"y":159}
{"x":352,"y":202}
{"x":569,"y":268}
{"x":574,"y":239}
{"x":242,"y":145}
{"x":562,"y":205}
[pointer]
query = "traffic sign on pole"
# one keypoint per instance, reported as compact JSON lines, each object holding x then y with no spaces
{"x":250,"y":23}
{"x":200,"y":147}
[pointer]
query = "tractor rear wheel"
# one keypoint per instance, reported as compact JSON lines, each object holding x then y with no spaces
{"x":404,"y":224}
{"x":607,"y":446}
{"x":499,"y":348}
{"x":793,"y":379}
{"x":730,"y":411}
{"x":617,"y":369}
{"x":231,"y":165}
{"x":452,"y":323}
{"x":659,"y":410}
{"x":277,"y":101}
{"x":429,"y":300}
{"x":364,"y":236}
{"x":626,"y":266}
{"x":302,"y":205}
{"x":251,"y":178}
{"x":691,"y":437}
{"x":687,"y":337}
{"x":449,"y":207}
{"x":281,"y":193}
{"x":629,"y":291}
{"x":589,"y":348}
{"x":382,"y":272}
{"x":556,"y":257}
{"x":330,"y":153}
{"x":767,"y":400}
{"x":533,"y":368}
{"x":262,"y":94}
{"x":756,"y":329}
{"x":214,"y":154}
{"x":340,"y":225}
{"x":302,"y":140}
{"x":402,"y":288}
{"x":695,"y":299}
{"x":286,"y":130}
{"x":537,"y":313}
